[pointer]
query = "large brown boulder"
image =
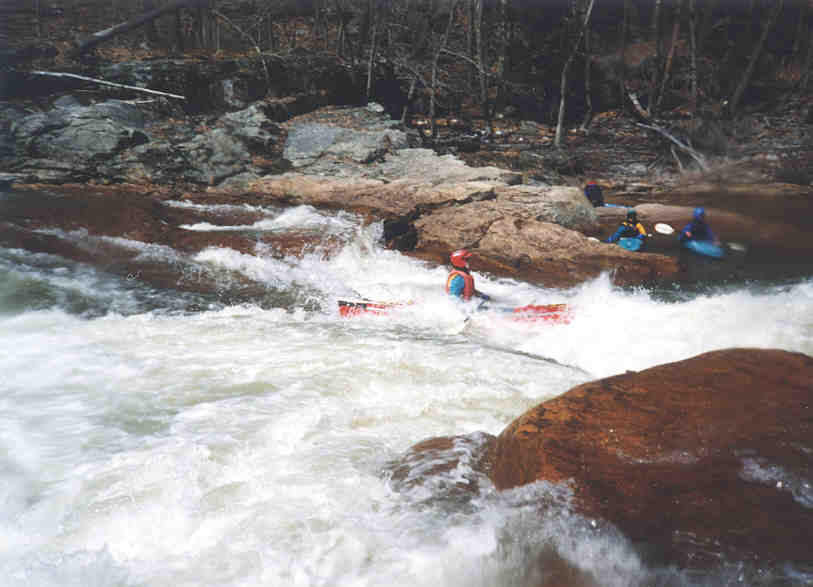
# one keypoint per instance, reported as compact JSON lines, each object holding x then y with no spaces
{"x":533,"y":250}
{"x":698,"y":459}
{"x":527,"y":232}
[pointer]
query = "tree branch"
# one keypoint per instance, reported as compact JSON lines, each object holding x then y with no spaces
{"x":683,"y":146}
{"x":253,"y":41}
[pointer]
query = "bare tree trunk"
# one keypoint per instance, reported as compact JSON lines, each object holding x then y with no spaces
{"x":319,"y":24}
{"x":205,"y":24}
{"x":472,"y":72}
{"x":588,"y":90}
{"x":565,"y":70}
{"x":410,"y":93}
{"x":179,"y":36}
{"x":150,"y":32}
{"x":373,"y":16}
{"x":38,"y":18}
{"x":755,"y":55}
{"x":656,"y":33}
{"x":480,"y":60}
{"x":342,"y":34}
{"x":501,"y":34}
{"x":708,"y":21}
{"x":800,"y":31}
{"x":624,"y":34}
{"x":693,"y":59}
{"x":805,"y":79}
{"x":435,"y":58}
{"x":667,"y":68}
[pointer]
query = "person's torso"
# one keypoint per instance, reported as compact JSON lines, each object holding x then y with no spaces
{"x":630,"y":229}
{"x":468,"y":283}
{"x":700,"y":230}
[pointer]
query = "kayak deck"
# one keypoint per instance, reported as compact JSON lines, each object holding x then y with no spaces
{"x":705,"y":248}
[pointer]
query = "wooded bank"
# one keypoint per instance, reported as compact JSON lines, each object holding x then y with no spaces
{"x":699,"y":57}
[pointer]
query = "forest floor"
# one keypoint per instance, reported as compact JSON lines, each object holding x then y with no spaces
{"x":773,"y":144}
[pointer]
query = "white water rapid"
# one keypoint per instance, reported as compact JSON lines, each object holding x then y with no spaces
{"x":143,"y":444}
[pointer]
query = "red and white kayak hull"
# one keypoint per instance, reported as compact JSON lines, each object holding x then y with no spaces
{"x":552,"y":313}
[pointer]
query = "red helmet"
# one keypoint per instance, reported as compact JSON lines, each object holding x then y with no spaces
{"x":460,"y":258}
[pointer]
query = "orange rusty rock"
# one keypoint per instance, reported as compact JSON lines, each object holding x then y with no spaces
{"x":664,"y":454}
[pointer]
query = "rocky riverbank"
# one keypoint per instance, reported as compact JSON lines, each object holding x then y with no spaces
{"x":528,"y":224}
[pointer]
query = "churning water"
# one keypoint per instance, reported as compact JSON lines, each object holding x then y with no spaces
{"x":156,"y":437}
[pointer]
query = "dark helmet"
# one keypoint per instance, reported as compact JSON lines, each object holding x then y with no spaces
{"x":459,"y":258}
{"x":699,"y":213}
{"x":632,"y":216}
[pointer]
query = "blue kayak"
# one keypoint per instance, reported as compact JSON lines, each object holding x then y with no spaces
{"x":630,"y":243}
{"x":706,"y":248}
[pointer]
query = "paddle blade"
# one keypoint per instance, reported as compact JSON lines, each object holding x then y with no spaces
{"x":663,"y":228}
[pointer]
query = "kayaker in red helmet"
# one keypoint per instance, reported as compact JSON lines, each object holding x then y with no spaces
{"x":460,"y":282}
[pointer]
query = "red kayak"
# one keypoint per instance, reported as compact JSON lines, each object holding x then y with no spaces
{"x":553,"y":313}
{"x":348,"y":308}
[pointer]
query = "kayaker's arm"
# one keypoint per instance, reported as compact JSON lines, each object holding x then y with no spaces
{"x":686,"y":233}
{"x":617,"y":235}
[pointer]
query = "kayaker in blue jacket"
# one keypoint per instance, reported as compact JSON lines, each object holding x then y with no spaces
{"x":630,"y":228}
{"x":697,"y":229}
{"x":460,"y":282}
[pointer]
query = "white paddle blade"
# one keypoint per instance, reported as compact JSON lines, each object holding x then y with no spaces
{"x":594,"y":239}
{"x":664,"y":228}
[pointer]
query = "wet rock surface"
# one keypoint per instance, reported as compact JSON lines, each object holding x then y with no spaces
{"x":684,"y":457}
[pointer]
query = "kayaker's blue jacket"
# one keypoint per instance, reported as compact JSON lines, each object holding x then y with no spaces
{"x":628,"y":230}
{"x":697,"y":230}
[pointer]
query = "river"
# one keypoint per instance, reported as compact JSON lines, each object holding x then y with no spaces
{"x":161,"y":437}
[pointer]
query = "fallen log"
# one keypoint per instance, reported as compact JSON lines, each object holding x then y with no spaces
{"x":106,"y":34}
{"x":107,"y":83}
